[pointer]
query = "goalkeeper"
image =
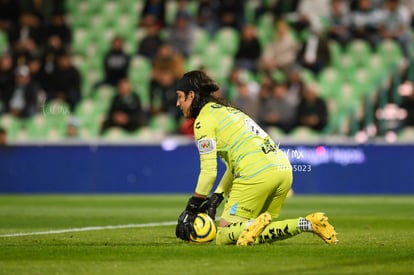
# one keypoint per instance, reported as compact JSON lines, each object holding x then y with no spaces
{"x":257,"y":179}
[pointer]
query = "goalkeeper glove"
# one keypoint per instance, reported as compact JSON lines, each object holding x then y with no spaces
{"x":185,"y":224}
{"x":214,"y":202}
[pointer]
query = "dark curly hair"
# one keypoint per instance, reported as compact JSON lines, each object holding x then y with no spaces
{"x":203,"y":87}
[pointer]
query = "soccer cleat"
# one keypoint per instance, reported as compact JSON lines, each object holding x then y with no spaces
{"x":322,"y":227}
{"x":250,"y":234}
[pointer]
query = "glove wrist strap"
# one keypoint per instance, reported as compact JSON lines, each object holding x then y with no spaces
{"x":194,"y":204}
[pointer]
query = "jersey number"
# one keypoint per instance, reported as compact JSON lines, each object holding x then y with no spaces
{"x":256,"y":129}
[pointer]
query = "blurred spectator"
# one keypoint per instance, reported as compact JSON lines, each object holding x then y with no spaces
{"x":167,"y":61}
{"x":59,"y":27}
{"x":247,"y":98}
{"x":229,"y":88}
{"x":126,"y":110}
{"x":43,"y":8}
{"x":72,"y":128}
{"x":281,"y":9}
{"x":3,"y":137}
{"x":28,"y":28}
{"x":23,"y":51}
{"x":149,"y":44}
{"x":302,"y":15}
{"x":53,"y":49}
{"x":311,"y":12}
{"x":231,"y":13}
{"x":66,"y":82}
{"x":207,"y":15}
{"x":365,"y":23}
{"x":249,"y":50}
{"x":153,"y":10}
{"x":312,"y":110}
{"x":162,"y":95}
{"x":186,"y":127}
{"x":275,"y":109}
{"x":339,"y":20}
{"x":6,"y":79}
{"x":296,"y":86}
{"x":281,"y":52}
{"x":35,"y":67}
{"x":395,"y":24}
{"x":116,"y":63}
{"x":407,"y":103}
{"x":9,"y":14}
{"x":409,"y":4}
{"x":376,"y":4}
{"x":314,"y":54}
{"x":168,"y":67}
{"x":181,"y":34}
{"x":22,"y":100}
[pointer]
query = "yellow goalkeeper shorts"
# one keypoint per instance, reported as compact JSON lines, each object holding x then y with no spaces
{"x":265,"y":192}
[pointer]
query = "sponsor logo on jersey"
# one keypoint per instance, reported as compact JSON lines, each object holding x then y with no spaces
{"x":206,"y":145}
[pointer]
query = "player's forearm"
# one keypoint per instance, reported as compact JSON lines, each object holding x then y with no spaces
{"x":205,"y":182}
{"x":225,"y":183}
{"x":208,"y":174}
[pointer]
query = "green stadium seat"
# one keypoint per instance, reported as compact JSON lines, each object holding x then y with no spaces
{"x":329,"y":80}
{"x":126,"y":26}
{"x":171,"y":9}
{"x":140,"y":68}
{"x":4,"y":43}
{"x":265,"y":28}
{"x":346,"y":65}
{"x":390,"y":52}
{"x":110,"y":8}
{"x":349,"y":97}
{"x":307,"y":75}
{"x":115,"y":134}
{"x":201,"y":39}
{"x":81,"y":41}
{"x":163,"y":123}
{"x":250,"y":11}
{"x":87,"y":112}
{"x":304,"y":133}
{"x":89,"y":132}
{"x":364,"y":81}
{"x":336,"y":53}
{"x":211,"y":56}
{"x":83,"y":8}
{"x":103,"y":96}
{"x":275,"y":133}
{"x":227,"y":39}
{"x":406,"y":134}
{"x":37,"y":127}
{"x":144,"y":133}
{"x":222,"y":68}
{"x":192,"y":7}
{"x":11,"y":124}
{"x":377,"y":66}
{"x":139,"y":74}
{"x":193,"y":62}
{"x":126,"y":6}
{"x":360,"y":51}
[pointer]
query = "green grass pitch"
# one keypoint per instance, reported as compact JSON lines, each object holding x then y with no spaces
{"x":376,"y":236}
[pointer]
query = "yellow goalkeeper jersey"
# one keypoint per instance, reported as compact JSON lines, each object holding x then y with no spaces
{"x":232,"y":135}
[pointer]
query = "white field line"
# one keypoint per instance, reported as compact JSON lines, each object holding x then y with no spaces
{"x":90,"y":228}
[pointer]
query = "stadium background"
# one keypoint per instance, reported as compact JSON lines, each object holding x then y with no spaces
{"x":347,"y":157}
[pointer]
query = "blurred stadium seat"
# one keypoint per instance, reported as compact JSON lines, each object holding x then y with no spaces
{"x":350,"y":83}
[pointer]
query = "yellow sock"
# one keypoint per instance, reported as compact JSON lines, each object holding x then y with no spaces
{"x":230,"y":233}
{"x":275,"y":231}
{"x":279,"y":230}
